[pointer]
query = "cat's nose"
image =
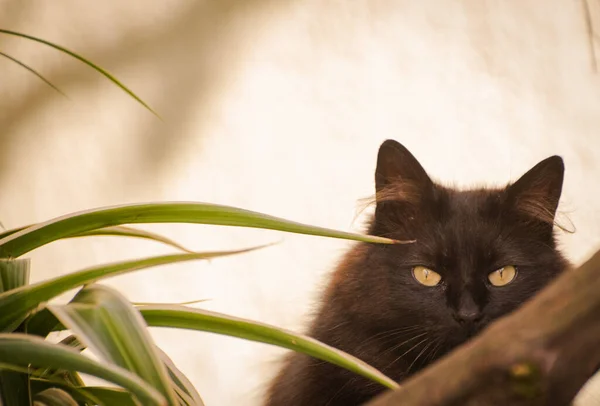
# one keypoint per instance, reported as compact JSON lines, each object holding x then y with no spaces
{"x":467,"y":313}
{"x":468,"y":318}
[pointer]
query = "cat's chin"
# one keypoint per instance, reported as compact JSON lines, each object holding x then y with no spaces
{"x":462,"y":335}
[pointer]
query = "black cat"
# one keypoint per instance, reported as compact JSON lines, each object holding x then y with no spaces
{"x":478,"y":255}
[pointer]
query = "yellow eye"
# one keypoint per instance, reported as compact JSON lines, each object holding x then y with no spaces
{"x":426,"y":276}
{"x":503,"y":276}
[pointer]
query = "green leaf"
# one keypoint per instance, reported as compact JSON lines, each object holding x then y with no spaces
{"x":22,"y":350}
{"x":38,"y":235}
{"x":95,"y":395}
{"x":110,"y":396}
{"x":17,"y":303}
{"x":174,"y":316}
{"x":116,"y":231}
{"x":82,"y":59}
{"x":184,"y":388}
{"x":41,"y":323}
{"x":123,"y":231}
{"x":13,"y":273}
{"x":189,"y":302}
{"x":61,"y":375}
{"x":203,"y":320}
{"x":14,"y":388}
{"x":30,"y":69}
{"x":53,"y":397}
{"x":105,"y":322}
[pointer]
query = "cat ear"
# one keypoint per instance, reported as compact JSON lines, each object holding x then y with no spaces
{"x":402,"y":187}
{"x":537,"y":193}
{"x":398,"y":168}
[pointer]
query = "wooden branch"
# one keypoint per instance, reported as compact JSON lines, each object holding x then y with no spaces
{"x":541,"y":354}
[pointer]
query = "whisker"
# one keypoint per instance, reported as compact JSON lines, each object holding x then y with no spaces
{"x":437,"y":348}
{"x":406,"y":352}
{"x":418,"y":356}
{"x":395,"y":347}
{"x":387,"y":335}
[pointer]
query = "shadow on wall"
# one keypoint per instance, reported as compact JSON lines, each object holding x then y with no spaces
{"x":175,"y":90}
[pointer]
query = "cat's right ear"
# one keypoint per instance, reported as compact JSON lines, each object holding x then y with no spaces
{"x":399,"y":171}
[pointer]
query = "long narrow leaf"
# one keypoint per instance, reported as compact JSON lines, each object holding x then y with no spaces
{"x":53,"y":397}
{"x":203,"y":320}
{"x":124,"y":231}
{"x":82,"y":59}
{"x":95,"y":395}
{"x":181,"y":381}
{"x":17,"y":303}
{"x":91,"y":395}
{"x":61,"y":375}
{"x":6,"y":233}
{"x":14,"y":273}
{"x":183,"y":387}
{"x":41,"y":323}
{"x":14,"y":388}
{"x":175,"y":316}
{"x":116,"y":231}
{"x":22,"y":350}
{"x":30,"y":69}
{"x":104,"y":321}
{"x":186,"y":303}
{"x":34,"y":237}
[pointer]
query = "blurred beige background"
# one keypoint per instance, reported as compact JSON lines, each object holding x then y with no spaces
{"x":280,"y":107}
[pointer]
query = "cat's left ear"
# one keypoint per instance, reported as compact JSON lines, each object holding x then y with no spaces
{"x":538,"y":191}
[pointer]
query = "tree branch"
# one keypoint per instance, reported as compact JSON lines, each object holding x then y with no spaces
{"x":541,"y":354}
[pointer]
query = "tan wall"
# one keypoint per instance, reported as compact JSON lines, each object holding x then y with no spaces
{"x":280,"y":107}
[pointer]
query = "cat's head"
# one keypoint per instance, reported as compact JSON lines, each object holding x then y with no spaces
{"x":478,"y":254}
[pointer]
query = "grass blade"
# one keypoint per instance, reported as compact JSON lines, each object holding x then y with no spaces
{"x":203,"y":320}
{"x":17,"y":303}
{"x":116,"y":231}
{"x":105,"y":322}
{"x":36,"y":236}
{"x":82,"y":59}
{"x":30,"y":69}
{"x":23,"y":350}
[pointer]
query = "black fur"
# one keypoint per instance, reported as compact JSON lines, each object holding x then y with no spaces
{"x":375,"y":309}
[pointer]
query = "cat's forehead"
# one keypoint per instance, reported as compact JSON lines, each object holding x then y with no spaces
{"x":467,"y":225}
{"x":471,"y":201}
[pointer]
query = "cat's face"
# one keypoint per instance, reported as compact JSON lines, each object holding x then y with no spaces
{"x":478,"y":254}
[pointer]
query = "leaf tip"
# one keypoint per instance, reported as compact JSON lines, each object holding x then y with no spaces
{"x":404,"y":241}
